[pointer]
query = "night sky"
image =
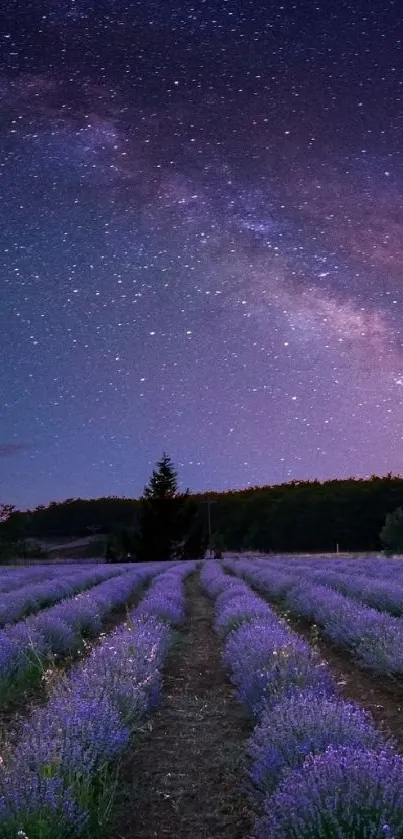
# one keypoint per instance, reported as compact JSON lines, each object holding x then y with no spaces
{"x":201,"y":243}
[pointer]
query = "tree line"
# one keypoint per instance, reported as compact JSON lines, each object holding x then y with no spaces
{"x":300,"y":516}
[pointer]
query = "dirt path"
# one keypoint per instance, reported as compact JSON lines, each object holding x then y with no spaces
{"x":182,"y":778}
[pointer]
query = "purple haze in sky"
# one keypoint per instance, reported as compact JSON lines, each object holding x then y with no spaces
{"x":201,"y":243}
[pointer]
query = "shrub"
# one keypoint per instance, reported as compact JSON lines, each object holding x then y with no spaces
{"x":342,"y":793}
{"x":300,"y":724}
{"x":267,"y":661}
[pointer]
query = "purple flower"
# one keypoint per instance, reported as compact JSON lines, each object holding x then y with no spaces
{"x":40,"y":806}
{"x":344,"y":793}
{"x":66,"y":745}
{"x":59,"y":629}
{"x":304,"y":723}
{"x":236,"y":608}
{"x":72,"y":736}
{"x":214,"y":580}
{"x":374,"y":638}
{"x":266,"y":661}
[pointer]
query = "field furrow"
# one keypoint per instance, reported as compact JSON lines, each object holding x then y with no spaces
{"x":184,"y":779}
{"x":272,"y":717}
{"x":360,"y":581}
{"x":382,"y":698}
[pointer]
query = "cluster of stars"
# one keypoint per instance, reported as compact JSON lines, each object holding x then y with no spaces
{"x":202,"y":244}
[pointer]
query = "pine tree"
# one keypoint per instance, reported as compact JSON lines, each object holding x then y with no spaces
{"x":163,"y":483}
{"x":166,"y":516}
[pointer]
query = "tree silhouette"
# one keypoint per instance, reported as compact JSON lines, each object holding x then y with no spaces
{"x":166,"y":518}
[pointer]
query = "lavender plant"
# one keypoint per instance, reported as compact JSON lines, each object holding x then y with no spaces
{"x":56,"y":783}
{"x":27,"y":647}
{"x":33,"y":597}
{"x":235,"y":608}
{"x":267,"y":661}
{"x":374,"y":638}
{"x":165,"y":596}
{"x":345,"y":793}
{"x":215,"y":581}
{"x":304,"y":723}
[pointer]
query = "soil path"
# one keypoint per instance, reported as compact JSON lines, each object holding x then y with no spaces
{"x":381,"y":696}
{"x":182,"y":780}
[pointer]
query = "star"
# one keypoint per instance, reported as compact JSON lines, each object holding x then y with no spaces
{"x":201,"y":246}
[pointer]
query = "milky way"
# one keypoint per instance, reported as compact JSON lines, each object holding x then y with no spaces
{"x":201,"y":243}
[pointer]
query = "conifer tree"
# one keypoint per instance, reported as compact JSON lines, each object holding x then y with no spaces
{"x":166,"y":516}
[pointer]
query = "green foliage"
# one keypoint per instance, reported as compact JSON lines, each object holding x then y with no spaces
{"x":299,"y":516}
{"x":20,"y":549}
{"x":163,"y":484}
{"x":12,"y":523}
{"x":5,"y":512}
{"x":30,"y":550}
{"x":391,"y":534}
{"x":95,"y":548}
{"x":113,"y":549}
{"x":196,"y":540}
{"x":122,"y":545}
{"x":167,"y":525}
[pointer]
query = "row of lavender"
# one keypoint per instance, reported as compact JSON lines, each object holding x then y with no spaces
{"x":318,"y":766}
{"x":374,"y":639}
{"x":377,"y":582}
{"x":59,"y":780}
{"x":13,"y":578}
{"x":28,"y":647}
{"x":376,"y":567}
{"x":34,"y":596}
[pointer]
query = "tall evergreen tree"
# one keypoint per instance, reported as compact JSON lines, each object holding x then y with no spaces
{"x":166,"y":517}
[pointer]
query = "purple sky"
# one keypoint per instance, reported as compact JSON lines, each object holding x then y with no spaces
{"x":201,"y":243}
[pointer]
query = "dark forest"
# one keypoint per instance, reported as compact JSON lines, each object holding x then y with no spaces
{"x":345,"y":515}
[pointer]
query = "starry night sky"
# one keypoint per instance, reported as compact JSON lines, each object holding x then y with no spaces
{"x":201,"y":243}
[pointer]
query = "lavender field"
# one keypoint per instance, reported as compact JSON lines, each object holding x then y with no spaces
{"x":202,"y":699}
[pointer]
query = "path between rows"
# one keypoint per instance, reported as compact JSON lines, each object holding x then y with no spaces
{"x":182,"y":778}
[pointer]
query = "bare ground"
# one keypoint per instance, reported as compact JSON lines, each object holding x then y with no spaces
{"x":182,"y":778}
